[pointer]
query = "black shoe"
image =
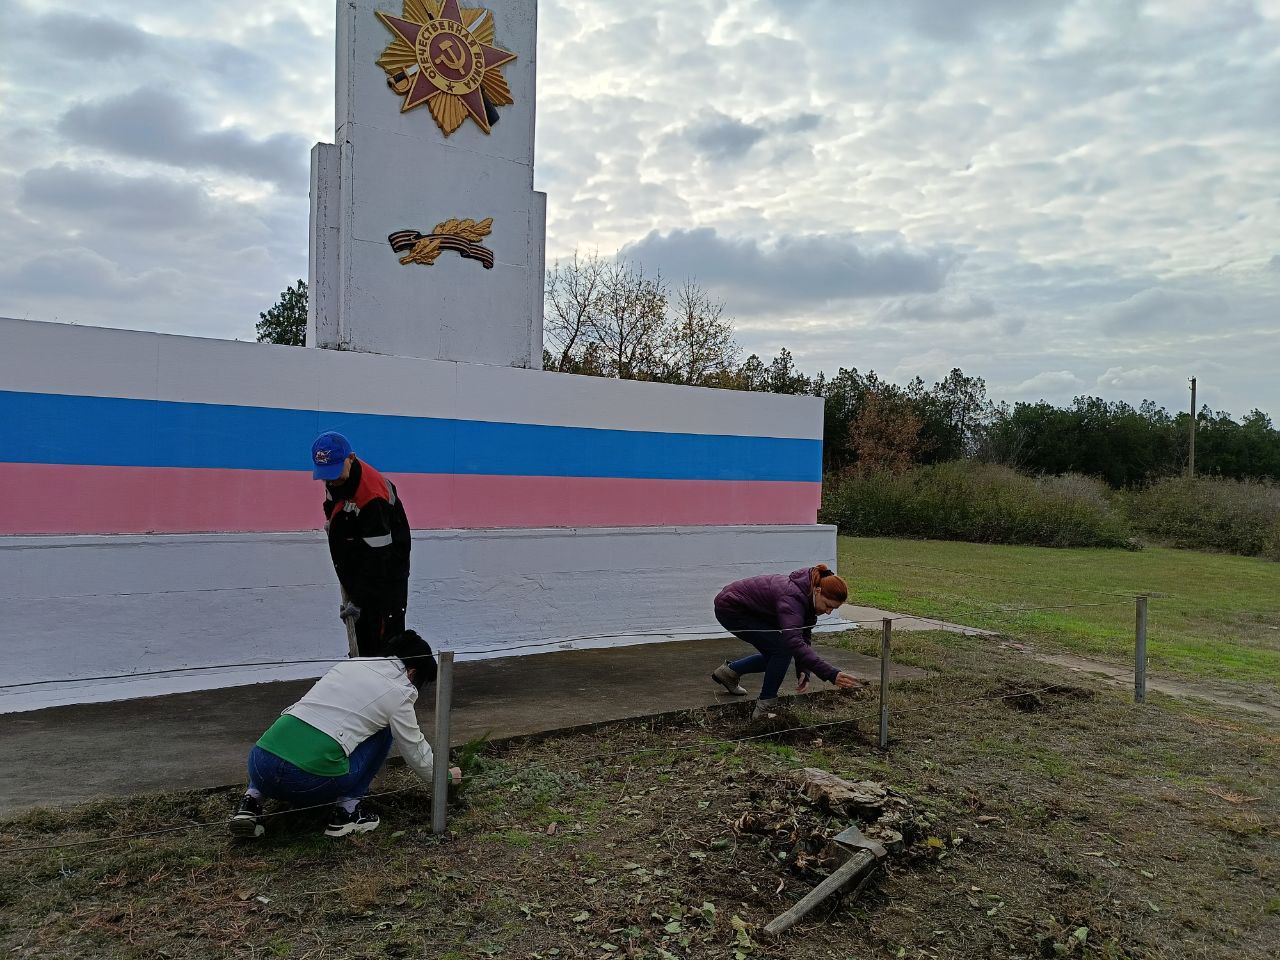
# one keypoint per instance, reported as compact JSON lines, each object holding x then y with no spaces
{"x":247,"y":820}
{"x":357,"y":821}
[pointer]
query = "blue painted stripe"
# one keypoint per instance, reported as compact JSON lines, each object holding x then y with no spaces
{"x":112,"y":431}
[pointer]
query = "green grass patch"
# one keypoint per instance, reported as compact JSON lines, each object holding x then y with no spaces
{"x":511,"y":838}
{"x":1219,"y":616}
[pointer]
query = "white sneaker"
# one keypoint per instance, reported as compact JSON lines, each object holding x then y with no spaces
{"x":357,"y":821}
{"x":728,"y":679}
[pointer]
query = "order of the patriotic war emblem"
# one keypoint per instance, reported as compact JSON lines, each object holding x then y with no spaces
{"x":443,"y":55}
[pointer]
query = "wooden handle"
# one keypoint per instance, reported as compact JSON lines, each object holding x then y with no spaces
{"x":846,"y":873}
{"x":353,"y":645}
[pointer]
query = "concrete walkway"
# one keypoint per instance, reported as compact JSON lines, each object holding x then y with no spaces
{"x":1122,"y":677}
{"x":196,"y":740}
{"x":869,"y":618}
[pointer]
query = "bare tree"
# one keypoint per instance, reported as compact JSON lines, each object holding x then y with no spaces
{"x":571,"y":293}
{"x":629,"y":321}
{"x":608,"y":317}
{"x":699,"y":339}
{"x":884,"y":433}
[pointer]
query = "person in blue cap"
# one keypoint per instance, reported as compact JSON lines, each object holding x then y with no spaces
{"x":369,"y":542}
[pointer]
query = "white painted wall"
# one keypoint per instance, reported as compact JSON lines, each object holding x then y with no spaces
{"x":322,"y":253}
{"x":392,"y":171}
{"x":95,"y":361}
{"x":83,"y":606}
{"x":87,"y":606}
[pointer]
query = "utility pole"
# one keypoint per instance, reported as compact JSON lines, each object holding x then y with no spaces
{"x":1191,"y":460}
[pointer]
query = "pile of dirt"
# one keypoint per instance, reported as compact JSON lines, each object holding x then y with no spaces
{"x":799,"y":816}
{"x":1036,"y":699}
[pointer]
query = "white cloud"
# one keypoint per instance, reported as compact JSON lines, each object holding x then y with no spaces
{"x":938,"y":308}
{"x":153,"y":124}
{"x":1051,"y":383}
{"x":793,"y":271}
{"x":91,"y":37}
{"x":1024,"y":188}
{"x":1138,"y":378}
{"x":76,"y":196}
{"x":1159,"y":309}
{"x":92,"y":278}
{"x":1211,"y":309}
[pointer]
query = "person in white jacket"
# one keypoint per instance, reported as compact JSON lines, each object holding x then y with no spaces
{"x":328,"y":747}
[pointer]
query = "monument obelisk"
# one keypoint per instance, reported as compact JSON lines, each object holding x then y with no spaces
{"x":427,"y":237}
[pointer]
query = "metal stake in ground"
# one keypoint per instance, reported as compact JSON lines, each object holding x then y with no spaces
{"x":440,"y":768}
{"x":885,"y":638}
{"x":1191,"y":455}
{"x":1140,"y":653}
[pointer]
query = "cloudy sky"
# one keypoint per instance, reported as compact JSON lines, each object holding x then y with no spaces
{"x":1067,"y":197}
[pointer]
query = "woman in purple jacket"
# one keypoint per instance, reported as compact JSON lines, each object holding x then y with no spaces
{"x":775,"y":613}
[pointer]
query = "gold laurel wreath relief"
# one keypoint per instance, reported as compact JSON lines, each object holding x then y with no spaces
{"x":424,"y":252}
{"x":427,"y":249}
{"x":462,"y":236}
{"x":468,"y":230}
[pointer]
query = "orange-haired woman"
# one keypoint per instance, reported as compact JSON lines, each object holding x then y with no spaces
{"x":775,"y":613}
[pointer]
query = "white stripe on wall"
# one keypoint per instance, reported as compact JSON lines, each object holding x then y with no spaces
{"x":95,"y":361}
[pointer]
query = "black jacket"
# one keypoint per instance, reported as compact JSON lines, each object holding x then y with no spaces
{"x":369,"y":538}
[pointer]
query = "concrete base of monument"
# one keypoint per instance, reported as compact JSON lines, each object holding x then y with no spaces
{"x":95,"y":619}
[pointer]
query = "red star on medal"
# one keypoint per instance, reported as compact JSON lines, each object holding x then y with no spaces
{"x":444,"y":55}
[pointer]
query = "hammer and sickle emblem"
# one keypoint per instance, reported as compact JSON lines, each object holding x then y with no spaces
{"x":450,"y":55}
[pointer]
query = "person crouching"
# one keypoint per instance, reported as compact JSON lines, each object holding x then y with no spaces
{"x":775,"y":613}
{"x":328,"y":747}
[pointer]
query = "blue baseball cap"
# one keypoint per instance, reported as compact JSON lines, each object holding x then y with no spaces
{"x":328,"y":454}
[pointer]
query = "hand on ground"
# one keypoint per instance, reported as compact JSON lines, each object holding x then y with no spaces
{"x":847,"y":681}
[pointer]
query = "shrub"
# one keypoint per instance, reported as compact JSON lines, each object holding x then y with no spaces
{"x":977,"y":502}
{"x":1234,"y":516}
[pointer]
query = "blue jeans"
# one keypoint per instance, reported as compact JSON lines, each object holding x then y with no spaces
{"x":281,"y":780}
{"x":774,"y":657}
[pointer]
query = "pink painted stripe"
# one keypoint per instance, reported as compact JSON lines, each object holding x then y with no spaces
{"x":437,"y":501}
{"x":57,"y":498}
{"x":45,"y":499}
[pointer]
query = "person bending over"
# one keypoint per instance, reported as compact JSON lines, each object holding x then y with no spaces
{"x":369,"y":541}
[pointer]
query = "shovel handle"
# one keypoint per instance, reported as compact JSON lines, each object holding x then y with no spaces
{"x":353,"y":645}
{"x":842,"y":876}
